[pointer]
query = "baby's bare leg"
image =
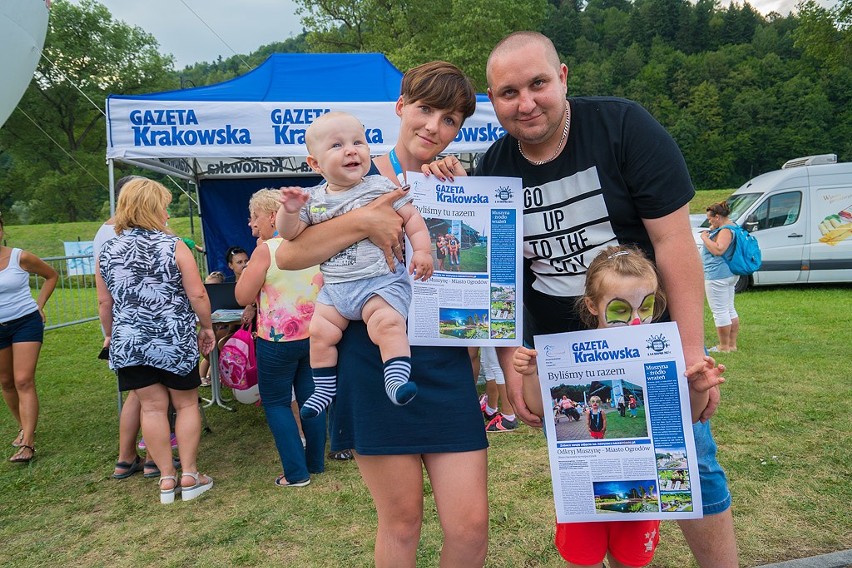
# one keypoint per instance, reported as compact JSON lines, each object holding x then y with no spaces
{"x":327,"y":327}
{"x":386,"y":327}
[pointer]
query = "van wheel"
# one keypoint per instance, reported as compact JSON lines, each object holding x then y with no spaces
{"x":742,"y":284}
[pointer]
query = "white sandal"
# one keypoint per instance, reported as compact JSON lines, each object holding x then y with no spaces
{"x":167,"y":496}
{"x":190,"y":493}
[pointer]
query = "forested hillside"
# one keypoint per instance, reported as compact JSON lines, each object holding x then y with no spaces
{"x":740,"y":92}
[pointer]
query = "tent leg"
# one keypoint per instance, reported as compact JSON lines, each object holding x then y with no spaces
{"x":111,"y":168}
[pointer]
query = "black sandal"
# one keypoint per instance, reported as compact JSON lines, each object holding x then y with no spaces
{"x":128,"y":468}
{"x":17,"y":458}
{"x":150,"y":468}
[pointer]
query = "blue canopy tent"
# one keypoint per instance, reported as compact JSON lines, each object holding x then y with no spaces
{"x":235,"y":137}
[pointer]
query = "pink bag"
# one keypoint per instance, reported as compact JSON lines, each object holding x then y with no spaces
{"x":237,"y":362}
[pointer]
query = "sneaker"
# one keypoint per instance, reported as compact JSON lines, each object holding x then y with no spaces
{"x":501,"y":424}
{"x":483,"y":406}
{"x":141,"y":445}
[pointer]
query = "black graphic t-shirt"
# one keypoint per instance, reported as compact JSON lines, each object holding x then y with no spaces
{"x":619,"y":166}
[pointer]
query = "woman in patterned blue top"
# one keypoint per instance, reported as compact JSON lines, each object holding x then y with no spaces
{"x":150,"y":295}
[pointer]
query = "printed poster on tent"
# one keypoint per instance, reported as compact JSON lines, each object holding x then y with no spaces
{"x":475,"y":294}
{"x":610,"y":462}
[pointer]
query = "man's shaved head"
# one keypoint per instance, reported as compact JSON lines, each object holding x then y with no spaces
{"x":517,"y":40}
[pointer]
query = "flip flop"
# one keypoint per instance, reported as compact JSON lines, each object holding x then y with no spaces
{"x":20,"y":436}
{"x":129,"y":468}
{"x":17,"y":458}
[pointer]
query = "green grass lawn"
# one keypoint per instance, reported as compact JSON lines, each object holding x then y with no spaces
{"x":783,"y":431}
{"x":626,"y":427}
{"x":46,"y":240}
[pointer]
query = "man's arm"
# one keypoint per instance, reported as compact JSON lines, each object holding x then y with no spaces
{"x":683,"y":281}
{"x":519,"y":388}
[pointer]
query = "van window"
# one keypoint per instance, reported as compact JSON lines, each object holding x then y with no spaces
{"x":738,"y":204}
{"x":778,"y":211}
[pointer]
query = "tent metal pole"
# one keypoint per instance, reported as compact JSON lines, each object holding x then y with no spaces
{"x":195,"y":181}
{"x":111,"y":169}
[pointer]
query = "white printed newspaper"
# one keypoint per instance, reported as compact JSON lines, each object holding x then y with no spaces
{"x":637,"y":461}
{"x":476,"y":228}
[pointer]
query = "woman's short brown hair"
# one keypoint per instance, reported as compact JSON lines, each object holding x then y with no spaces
{"x":720,"y":208}
{"x":142,"y":204}
{"x":440,"y":85}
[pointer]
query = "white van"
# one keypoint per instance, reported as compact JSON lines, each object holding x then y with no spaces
{"x":802,"y":217}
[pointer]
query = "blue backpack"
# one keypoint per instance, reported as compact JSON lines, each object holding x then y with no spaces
{"x":743,"y":256}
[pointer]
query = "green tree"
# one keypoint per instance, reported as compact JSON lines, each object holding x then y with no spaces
{"x":701,"y":138}
{"x":826,"y":35}
{"x":411,"y":32}
{"x":56,"y":139}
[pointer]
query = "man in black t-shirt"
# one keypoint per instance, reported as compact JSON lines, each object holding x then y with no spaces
{"x":598,"y":171}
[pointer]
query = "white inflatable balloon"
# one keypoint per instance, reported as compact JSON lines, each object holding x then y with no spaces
{"x":248,"y":396}
{"x":23,"y":25}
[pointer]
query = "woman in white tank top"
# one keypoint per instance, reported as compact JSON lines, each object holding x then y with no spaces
{"x":21,"y":335}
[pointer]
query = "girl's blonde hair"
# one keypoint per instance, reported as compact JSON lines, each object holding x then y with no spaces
{"x":618,"y":261}
{"x":264,"y":201}
{"x":142,"y":204}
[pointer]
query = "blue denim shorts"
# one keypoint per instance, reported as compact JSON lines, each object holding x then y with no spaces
{"x":28,"y":328}
{"x":715,"y":495}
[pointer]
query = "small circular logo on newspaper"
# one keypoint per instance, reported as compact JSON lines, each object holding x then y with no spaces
{"x":658,"y":343}
{"x":503,"y":193}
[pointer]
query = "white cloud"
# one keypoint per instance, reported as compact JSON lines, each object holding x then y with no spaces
{"x":243,"y":25}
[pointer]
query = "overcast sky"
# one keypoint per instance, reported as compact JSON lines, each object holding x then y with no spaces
{"x":245,"y":25}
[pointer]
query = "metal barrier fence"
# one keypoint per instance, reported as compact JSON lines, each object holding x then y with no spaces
{"x":75,"y":299}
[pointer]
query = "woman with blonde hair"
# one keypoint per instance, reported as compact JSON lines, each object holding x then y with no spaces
{"x":285,"y":303}
{"x":150,"y":295}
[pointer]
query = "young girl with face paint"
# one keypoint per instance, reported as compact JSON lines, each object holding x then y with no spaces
{"x":622,"y":288}
{"x":596,"y":419}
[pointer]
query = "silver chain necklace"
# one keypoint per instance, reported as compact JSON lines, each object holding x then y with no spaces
{"x":561,"y":141}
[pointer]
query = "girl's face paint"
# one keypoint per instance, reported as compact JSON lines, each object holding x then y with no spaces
{"x":626,"y":301}
{"x":621,"y":312}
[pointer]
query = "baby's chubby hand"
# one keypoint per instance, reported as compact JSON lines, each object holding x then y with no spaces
{"x":292,"y":198}
{"x":421,"y":265}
